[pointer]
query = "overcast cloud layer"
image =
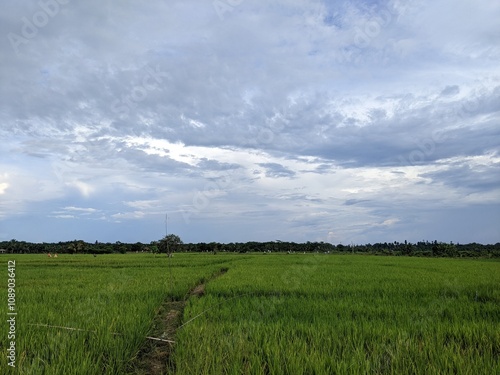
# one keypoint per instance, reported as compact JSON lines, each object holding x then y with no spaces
{"x":313,"y":120}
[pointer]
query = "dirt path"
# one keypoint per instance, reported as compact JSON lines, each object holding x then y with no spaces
{"x":155,"y":356}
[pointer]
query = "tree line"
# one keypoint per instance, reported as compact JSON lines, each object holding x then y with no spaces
{"x":172,"y":243}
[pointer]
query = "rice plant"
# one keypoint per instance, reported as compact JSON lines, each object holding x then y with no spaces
{"x":273,"y":314}
{"x":345,"y":315}
{"x":79,"y":314}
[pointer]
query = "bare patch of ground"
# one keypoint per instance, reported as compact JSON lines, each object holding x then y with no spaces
{"x":155,"y":356}
{"x":198,"y":291}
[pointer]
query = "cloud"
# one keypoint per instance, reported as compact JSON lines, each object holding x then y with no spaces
{"x":275,"y":170}
{"x":128,"y":215}
{"x":81,"y":209}
{"x":389,"y":222}
{"x":472,"y":174}
{"x":323,"y":117}
{"x":450,"y":90}
{"x":351,"y":202}
{"x":64,"y":216}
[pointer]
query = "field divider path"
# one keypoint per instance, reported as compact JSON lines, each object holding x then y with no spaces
{"x":155,"y":355}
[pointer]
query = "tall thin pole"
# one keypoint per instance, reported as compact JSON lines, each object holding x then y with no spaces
{"x":169,"y":259}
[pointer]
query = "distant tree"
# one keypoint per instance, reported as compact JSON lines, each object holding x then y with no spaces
{"x":120,"y":247}
{"x":76,"y":247}
{"x":153,"y":247}
{"x":137,"y":247}
{"x":169,"y":244}
{"x":213,"y":247}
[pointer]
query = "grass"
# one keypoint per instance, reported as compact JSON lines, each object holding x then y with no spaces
{"x":347,"y":315}
{"x":112,"y":301}
{"x":272,"y":314}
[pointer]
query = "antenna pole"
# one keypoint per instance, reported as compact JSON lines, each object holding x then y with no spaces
{"x":166,"y":233}
{"x":169,"y":259}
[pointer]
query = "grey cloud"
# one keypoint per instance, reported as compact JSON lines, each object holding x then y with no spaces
{"x":351,"y":202}
{"x":287,"y":80}
{"x":324,"y":168}
{"x":206,"y":164}
{"x":450,"y":90}
{"x":300,"y":198}
{"x":479,"y":178}
{"x":276,"y":170}
{"x":155,"y":163}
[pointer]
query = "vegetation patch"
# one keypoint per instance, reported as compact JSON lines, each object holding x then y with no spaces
{"x":155,"y":356}
{"x":313,"y":313}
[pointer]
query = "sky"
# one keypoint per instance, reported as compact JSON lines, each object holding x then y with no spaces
{"x":244,"y":120}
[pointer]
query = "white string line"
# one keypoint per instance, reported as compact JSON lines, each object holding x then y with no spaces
{"x":86,"y":330}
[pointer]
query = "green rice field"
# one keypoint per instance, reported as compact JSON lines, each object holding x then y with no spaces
{"x":268,"y":314}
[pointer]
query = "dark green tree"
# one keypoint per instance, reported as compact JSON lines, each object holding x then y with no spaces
{"x":170,"y":244}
